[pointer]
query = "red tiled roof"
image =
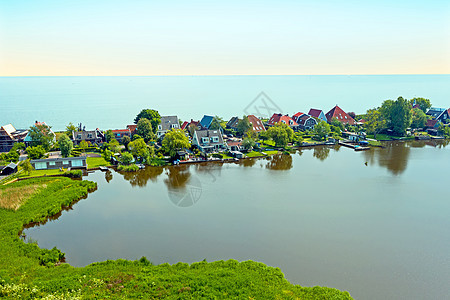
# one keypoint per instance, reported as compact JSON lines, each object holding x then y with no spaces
{"x":120,"y":130}
{"x":277,"y":118}
{"x":314,"y":112}
{"x":340,"y":115}
{"x":184,"y":125}
{"x":431,"y":123}
{"x":257,"y":124}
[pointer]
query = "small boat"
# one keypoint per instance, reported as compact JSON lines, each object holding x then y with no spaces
{"x":103,"y":169}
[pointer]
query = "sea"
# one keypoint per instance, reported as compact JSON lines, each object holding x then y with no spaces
{"x":113,"y":102}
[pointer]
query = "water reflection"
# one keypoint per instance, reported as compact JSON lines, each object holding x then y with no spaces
{"x":321,"y":152}
{"x":184,"y":189}
{"x":249,"y":162}
{"x":280,"y":162}
{"x":141,"y":177}
{"x":177,"y":177}
{"x":108,"y":176}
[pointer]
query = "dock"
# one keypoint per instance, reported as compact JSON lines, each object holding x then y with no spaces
{"x":354,"y":147}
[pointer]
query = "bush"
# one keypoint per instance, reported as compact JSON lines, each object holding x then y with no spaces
{"x":128,"y":168}
{"x":74,"y":174}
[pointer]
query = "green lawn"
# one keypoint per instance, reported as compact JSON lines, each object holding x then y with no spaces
{"x":255,"y":154}
{"x":271,"y":152}
{"x":40,"y":173}
{"x":95,"y":162}
{"x":30,"y":272}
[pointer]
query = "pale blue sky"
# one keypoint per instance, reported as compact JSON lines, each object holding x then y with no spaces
{"x":133,"y":37}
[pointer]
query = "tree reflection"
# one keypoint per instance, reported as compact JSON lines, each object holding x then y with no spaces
{"x":321,"y":152}
{"x":394,"y":156}
{"x":108,"y":176}
{"x":212,"y":169}
{"x":141,"y":177}
{"x":177,"y":176}
{"x":248,"y":162}
{"x":280,"y":162}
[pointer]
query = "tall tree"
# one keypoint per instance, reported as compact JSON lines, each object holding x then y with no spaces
{"x":419,"y":118}
{"x":150,"y":114}
{"x":42,"y":135}
{"x":281,"y":134}
{"x":109,"y":135}
{"x":175,"y":140}
{"x":217,"y":123}
{"x":139,"y":148}
{"x":397,"y":114}
{"x":374,"y":122}
{"x":424,"y":104}
{"x":243,"y":125}
{"x":27,"y":166}
{"x":70,"y":128}
{"x":144,"y":129}
{"x":65,"y":145}
{"x":125,"y":141}
{"x":36,"y":152}
{"x":321,"y":130}
{"x":83,"y":145}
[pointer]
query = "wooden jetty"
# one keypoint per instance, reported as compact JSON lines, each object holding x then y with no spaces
{"x":354,"y":147}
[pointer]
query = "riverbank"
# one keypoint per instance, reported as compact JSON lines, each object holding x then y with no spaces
{"x":31,"y":272}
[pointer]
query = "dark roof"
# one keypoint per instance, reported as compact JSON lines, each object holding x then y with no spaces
{"x":83,"y":135}
{"x":233,"y":122}
{"x":209,"y":134}
{"x":11,"y":165}
{"x":206,"y":121}
{"x":168,"y":121}
{"x":58,"y":159}
{"x":315,"y":112}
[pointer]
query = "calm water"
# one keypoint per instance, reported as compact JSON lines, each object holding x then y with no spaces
{"x":113,"y":102}
{"x":380,"y":231}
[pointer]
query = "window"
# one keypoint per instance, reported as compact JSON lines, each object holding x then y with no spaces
{"x":89,"y":135}
{"x":40,"y":165}
{"x":291,"y":122}
{"x":77,"y":163}
{"x":159,"y":127}
{"x":174,"y":125}
{"x":205,"y":140}
{"x":215,"y":139}
{"x":51,"y":163}
{"x":79,"y":137}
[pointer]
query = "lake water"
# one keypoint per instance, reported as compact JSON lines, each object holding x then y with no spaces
{"x":113,"y":102}
{"x":380,"y":231}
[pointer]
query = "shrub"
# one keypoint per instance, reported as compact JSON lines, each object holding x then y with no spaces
{"x":128,"y":168}
{"x":74,"y":174}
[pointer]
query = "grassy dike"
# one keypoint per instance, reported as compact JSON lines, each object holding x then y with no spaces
{"x":29,"y":272}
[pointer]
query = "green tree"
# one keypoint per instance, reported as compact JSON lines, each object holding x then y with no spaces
{"x":217,"y":123}
{"x":125,"y":141}
{"x":114,"y":146}
{"x":424,"y":104}
{"x":42,"y":135}
{"x":70,"y":129}
{"x":150,"y":114}
{"x":36,"y":152}
{"x":397,"y":115}
{"x":248,"y":143}
{"x":126,"y":158}
{"x":27,"y":166}
{"x":321,"y":130}
{"x":374,"y":121}
{"x":139,"y":149}
{"x":65,"y":145}
{"x":243,"y":125}
{"x":297,"y":138}
{"x":144,"y":129}
{"x":175,"y":140}
{"x":109,"y":135}
{"x":136,"y":137}
{"x":83,"y":145}
{"x":419,"y":118}
{"x":336,"y":123}
{"x":281,"y":134}
{"x":107,"y":154}
{"x":263,"y":135}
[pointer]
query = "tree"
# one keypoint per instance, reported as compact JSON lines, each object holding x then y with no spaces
{"x":36,"y":152}
{"x":263,"y":135}
{"x":65,"y":145}
{"x":336,"y":123}
{"x":107,"y":154}
{"x":109,"y":135}
{"x":144,"y":129}
{"x":136,"y":137}
{"x":70,"y":129}
{"x":424,"y":104}
{"x":41,"y":134}
{"x":175,"y":140}
{"x":297,"y":138}
{"x":139,"y":149}
{"x":374,"y":121}
{"x":217,"y":123}
{"x":281,"y":134}
{"x":248,"y":143}
{"x":27,"y":166}
{"x":419,"y":118}
{"x":397,"y":115}
{"x":150,"y":114}
{"x":243,"y":125}
{"x":126,"y":158}
{"x":125,"y":141}
{"x":321,"y":130}
{"x":114,"y":146}
{"x":83,"y":145}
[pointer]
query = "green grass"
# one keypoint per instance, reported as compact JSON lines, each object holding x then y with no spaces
{"x":271,"y":152}
{"x":95,"y":162}
{"x":374,"y":143}
{"x":29,"y":272}
{"x":35,"y":173}
{"x":255,"y":154}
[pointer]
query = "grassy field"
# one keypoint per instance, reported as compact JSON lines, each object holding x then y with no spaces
{"x":40,"y":173}
{"x":29,"y":272}
{"x":95,"y":162}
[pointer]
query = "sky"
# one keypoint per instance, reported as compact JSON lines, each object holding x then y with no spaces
{"x":142,"y":38}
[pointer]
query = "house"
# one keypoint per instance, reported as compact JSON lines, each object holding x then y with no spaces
{"x":28,"y":140}
{"x":192,"y":123}
{"x":340,"y":115}
{"x":306,"y":122}
{"x":91,"y":136}
{"x":432,"y":124}
{"x":209,"y":140}
{"x":9,"y":169}
{"x":120,"y":133}
{"x":132,"y":129}
{"x":9,"y":135}
{"x":285,"y":119}
{"x":167,"y":123}
{"x":206,"y":121}
{"x":233,"y":123}
{"x":440,"y":114}
{"x":234,"y":145}
{"x":318,"y":114}
{"x":257,"y":124}
{"x":59,"y":162}
{"x":297,"y":116}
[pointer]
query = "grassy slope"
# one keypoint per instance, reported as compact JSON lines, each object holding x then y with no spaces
{"x":95,"y":162}
{"x":30,"y":272}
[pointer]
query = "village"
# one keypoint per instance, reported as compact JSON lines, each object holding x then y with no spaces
{"x":156,"y":140}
